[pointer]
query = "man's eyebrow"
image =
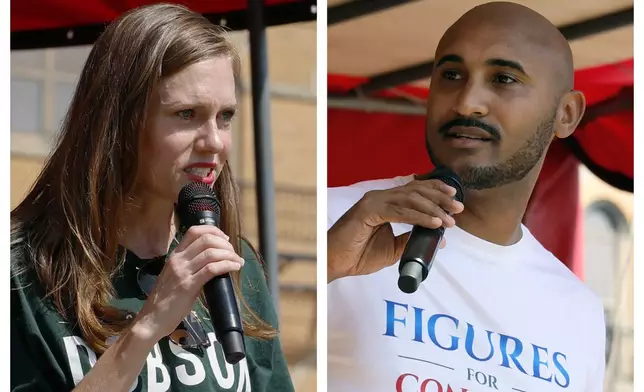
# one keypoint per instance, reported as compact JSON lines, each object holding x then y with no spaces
{"x":449,"y":58}
{"x":496,"y":62}
{"x":506,"y":64}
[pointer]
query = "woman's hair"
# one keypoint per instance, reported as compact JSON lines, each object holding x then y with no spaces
{"x":71,"y":219}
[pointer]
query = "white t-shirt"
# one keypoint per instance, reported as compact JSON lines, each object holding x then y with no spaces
{"x":487,"y":318}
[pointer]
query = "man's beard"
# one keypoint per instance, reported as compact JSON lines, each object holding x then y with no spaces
{"x":513,"y":169}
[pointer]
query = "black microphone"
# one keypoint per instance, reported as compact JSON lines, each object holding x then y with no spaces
{"x":198,"y":205}
{"x":423,"y":243}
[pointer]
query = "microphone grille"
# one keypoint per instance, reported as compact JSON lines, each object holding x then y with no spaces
{"x":450,"y":178}
{"x":196,"y":197}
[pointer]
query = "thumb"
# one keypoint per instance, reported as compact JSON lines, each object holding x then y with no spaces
{"x":443,"y":243}
{"x":399,"y":245}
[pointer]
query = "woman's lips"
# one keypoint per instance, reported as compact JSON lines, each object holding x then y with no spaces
{"x":201,"y":173}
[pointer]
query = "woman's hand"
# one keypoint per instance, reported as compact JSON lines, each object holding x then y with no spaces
{"x":203,"y":253}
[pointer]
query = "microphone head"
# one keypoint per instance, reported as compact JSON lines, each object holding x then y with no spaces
{"x":450,"y":178}
{"x":195,"y":199}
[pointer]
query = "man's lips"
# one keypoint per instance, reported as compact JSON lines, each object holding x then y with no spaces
{"x":473,"y":133}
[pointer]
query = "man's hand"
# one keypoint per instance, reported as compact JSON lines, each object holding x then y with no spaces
{"x":362,"y":242}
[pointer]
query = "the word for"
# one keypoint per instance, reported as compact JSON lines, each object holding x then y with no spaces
{"x":482,"y":378}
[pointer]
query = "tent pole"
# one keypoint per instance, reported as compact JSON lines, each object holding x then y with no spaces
{"x":265,"y":189}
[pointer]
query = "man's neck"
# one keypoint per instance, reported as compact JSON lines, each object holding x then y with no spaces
{"x":495,"y":215}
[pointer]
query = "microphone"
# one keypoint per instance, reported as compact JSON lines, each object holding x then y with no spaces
{"x":420,"y":251}
{"x":198,"y":205}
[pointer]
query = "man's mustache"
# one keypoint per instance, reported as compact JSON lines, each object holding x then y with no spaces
{"x":470,"y":122}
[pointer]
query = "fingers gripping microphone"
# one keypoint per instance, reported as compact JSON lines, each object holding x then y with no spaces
{"x":198,"y":205}
{"x":423,"y":243}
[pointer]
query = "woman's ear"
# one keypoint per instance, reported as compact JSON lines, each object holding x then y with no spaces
{"x":570,"y":112}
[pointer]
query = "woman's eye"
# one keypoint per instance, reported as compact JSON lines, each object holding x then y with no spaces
{"x":228,"y":115}
{"x":186,"y":114}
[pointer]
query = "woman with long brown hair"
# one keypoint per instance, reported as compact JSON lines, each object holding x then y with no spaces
{"x":151,"y":113}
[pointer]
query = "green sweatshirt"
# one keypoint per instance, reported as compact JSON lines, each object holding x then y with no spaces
{"x":49,"y":354}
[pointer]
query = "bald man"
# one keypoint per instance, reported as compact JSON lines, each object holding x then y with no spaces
{"x":498,"y":312}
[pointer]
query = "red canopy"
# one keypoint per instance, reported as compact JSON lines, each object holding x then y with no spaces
{"x":48,"y":14}
{"x":48,"y":23}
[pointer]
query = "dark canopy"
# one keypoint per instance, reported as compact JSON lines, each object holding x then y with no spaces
{"x":47,"y":23}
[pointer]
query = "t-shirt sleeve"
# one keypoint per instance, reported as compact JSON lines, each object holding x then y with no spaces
{"x":268,"y":367}
{"x":33,"y":365}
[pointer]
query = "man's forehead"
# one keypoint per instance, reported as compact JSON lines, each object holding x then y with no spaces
{"x":513,"y":32}
{"x":481,"y":46}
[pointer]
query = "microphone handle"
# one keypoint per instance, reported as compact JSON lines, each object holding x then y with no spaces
{"x":418,"y":257}
{"x":220,"y":298}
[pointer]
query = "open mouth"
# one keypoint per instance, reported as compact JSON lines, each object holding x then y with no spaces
{"x":200,"y":171}
{"x":469,"y":133}
{"x":470,"y":137}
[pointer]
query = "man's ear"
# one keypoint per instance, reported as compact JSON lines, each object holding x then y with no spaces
{"x":570,"y":112}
